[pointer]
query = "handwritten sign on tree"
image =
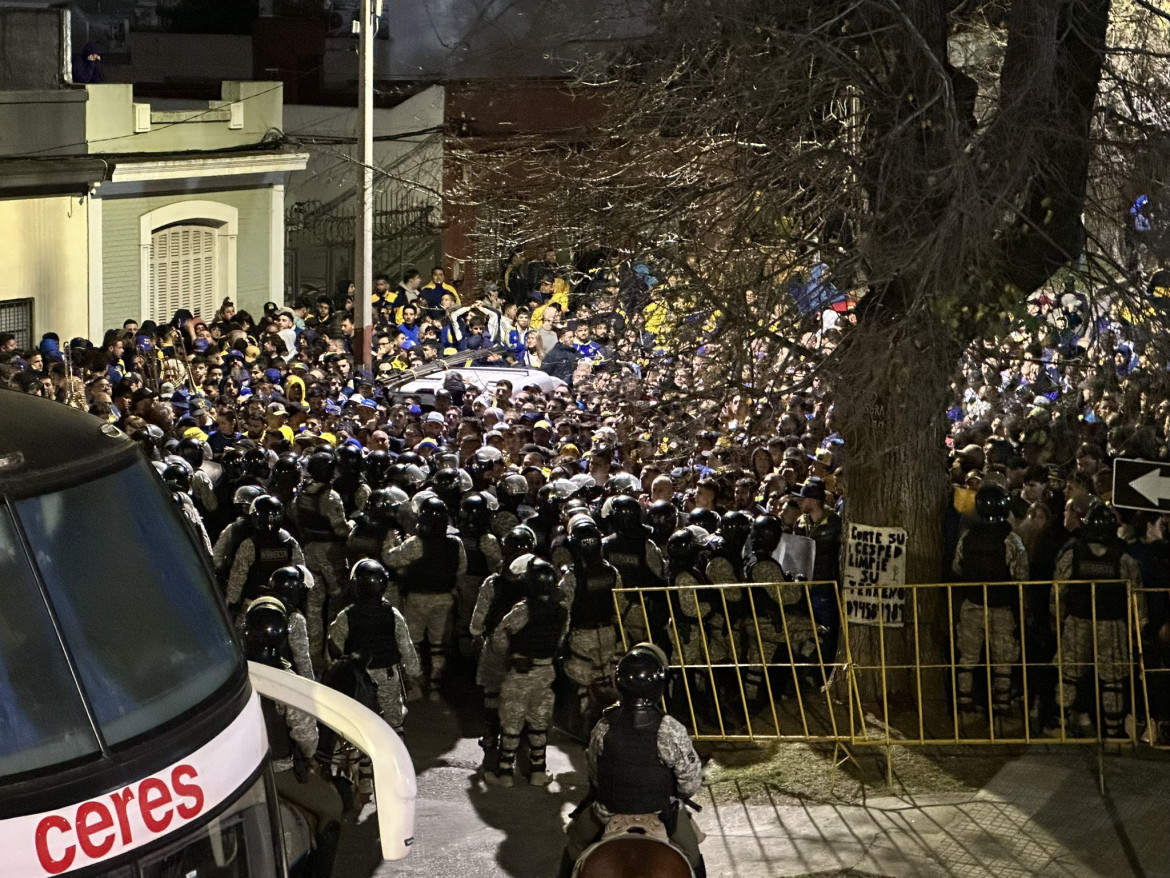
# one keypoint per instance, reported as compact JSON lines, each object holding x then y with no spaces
{"x":873,"y":575}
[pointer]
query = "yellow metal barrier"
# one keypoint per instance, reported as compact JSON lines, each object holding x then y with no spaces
{"x":746,"y":661}
{"x":1001,"y":653}
{"x":1153,"y":662}
{"x":982,"y":663}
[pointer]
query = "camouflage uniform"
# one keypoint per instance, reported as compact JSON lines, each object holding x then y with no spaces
{"x":242,"y":564}
{"x":987,"y":616}
{"x":389,"y":683}
{"x":779,"y":623}
{"x":526,"y":694}
{"x":675,"y":751}
{"x":320,"y":519}
{"x":1103,"y":613}
{"x":593,"y":650}
{"x":428,"y":595}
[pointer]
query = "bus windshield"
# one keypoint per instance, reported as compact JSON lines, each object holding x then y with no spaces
{"x":41,"y":712}
{"x":135,"y":604}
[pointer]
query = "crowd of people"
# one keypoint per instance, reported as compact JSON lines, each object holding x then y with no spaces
{"x":497,"y":522}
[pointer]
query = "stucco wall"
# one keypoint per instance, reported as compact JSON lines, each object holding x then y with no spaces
{"x":44,"y":256}
{"x":122,"y":274}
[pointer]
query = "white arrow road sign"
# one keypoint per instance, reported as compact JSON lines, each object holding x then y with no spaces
{"x":1153,"y":486}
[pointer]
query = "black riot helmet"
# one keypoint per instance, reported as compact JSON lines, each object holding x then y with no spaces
{"x":177,"y":475}
{"x":707,"y":519}
{"x":349,"y":459}
{"x":641,"y":676}
{"x":1099,"y":526}
{"x":432,"y":518}
{"x":541,"y":579}
{"x":191,"y":450}
{"x":267,"y":513}
{"x":287,"y":585}
{"x":474,"y":514}
{"x":516,"y":542}
{"x":244,"y":496}
{"x":992,"y":503}
{"x":377,"y":468}
{"x":383,"y":504}
{"x":551,"y":496}
{"x":766,"y":533}
{"x":734,"y":527}
{"x":286,"y":472}
{"x":512,"y":489}
{"x":483,"y":460}
{"x":265,"y":631}
{"x":448,"y":484}
{"x":626,"y":484}
{"x":150,"y":439}
{"x":321,"y":466}
{"x":257,"y":465}
{"x":368,"y":580}
{"x":411,"y":457}
{"x":626,"y":515}
{"x":682,"y":548}
{"x":574,"y":506}
{"x":584,"y":538}
{"x":662,"y":517}
{"x":232,"y":462}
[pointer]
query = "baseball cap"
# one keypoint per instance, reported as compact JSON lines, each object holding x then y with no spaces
{"x":276,"y":408}
{"x":272,"y":375}
{"x":435,"y":418}
{"x":542,"y":425}
{"x":142,"y":393}
{"x":368,"y":404}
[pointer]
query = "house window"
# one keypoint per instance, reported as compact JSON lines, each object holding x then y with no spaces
{"x":183,"y":271}
{"x":187,"y":258}
{"x":16,"y":317}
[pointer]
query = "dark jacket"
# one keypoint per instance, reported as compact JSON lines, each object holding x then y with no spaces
{"x":561,"y":362}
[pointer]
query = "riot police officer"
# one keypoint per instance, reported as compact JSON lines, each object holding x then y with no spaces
{"x":638,"y":561}
{"x":428,"y":566}
{"x":783,"y":622}
{"x":989,"y":552}
{"x":1097,"y":558}
{"x":377,"y":528}
{"x":497,"y":595}
{"x":224,"y":551}
{"x":511,"y":491}
{"x":177,"y":476}
{"x":269,"y":548}
{"x":590,"y":580}
{"x":288,"y":586}
{"x":641,"y":762}
{"x":350,"y":483}
{"x":483,"y":558}
{"x":320,"y":519}
{"x":292,"y":738}
{"x":531,"y":633}
{"x":376,"y":633}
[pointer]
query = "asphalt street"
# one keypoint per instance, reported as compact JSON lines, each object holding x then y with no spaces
{"x":1041,"y":815}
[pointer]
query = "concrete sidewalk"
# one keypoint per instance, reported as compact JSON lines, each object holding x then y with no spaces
{"x":1041,"y":815}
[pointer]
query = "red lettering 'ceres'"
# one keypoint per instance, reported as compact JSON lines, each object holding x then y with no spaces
{"x":54,"y":865}
{"x":94,"y":820}
{"x":154,"y":800}
{"x":181,"y":779}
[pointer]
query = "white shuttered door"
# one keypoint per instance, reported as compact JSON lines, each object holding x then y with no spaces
{"x":182,"y":272}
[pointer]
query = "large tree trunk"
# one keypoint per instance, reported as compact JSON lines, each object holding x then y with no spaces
{"x":892,"y":397}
